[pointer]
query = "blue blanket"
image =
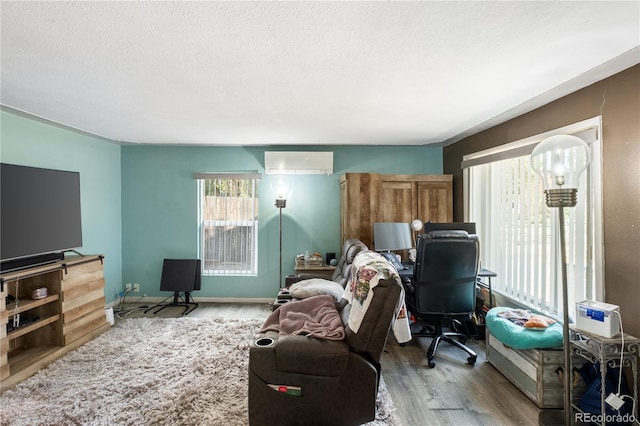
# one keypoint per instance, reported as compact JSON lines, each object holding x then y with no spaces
{"x":518,"y":337}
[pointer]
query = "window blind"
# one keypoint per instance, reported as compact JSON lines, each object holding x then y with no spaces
{"x":228,"y":220}
{"x":519,"y":233}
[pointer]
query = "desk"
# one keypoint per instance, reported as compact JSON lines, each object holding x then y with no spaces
{"x":485,"y":273}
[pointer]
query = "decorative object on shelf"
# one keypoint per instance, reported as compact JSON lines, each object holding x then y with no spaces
{"x":329,"y":257}
{"x":559,"y":161}
{"x":308,"y":260}
{"x":281,"y":189}
{"x":39,"y":293}
{"x":16,"y":311}
{"x":416,"y":226}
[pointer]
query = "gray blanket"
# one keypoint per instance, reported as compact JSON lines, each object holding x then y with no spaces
{"x":315,"y":316}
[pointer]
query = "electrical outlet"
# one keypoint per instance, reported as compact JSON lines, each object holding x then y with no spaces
{"x":127,"y":286}
{"x":136,"y":288}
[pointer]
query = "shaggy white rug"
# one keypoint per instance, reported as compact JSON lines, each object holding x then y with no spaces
{"x":150,"y":371}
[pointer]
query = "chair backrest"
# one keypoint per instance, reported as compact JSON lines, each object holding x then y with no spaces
{"x":445,"y":272}
{"x":350,"y":250}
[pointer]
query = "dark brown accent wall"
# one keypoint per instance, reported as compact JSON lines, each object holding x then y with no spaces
{"x":617,"y":99}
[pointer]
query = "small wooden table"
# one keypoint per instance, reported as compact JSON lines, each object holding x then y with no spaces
{"x":485,"y":273}
{"x":321,"y":270}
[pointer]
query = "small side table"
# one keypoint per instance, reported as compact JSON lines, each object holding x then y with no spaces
{"x":608,"y":352}
{"x":485,"y":273}
{"x":320,"y":270}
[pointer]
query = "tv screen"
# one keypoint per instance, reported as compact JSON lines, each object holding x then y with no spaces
{"x":40,"y":211}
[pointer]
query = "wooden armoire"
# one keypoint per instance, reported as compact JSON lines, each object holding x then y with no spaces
{"x":366,"y":198}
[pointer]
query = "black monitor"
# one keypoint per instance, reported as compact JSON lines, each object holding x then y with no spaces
{"x":470,"y":227}
{"x":180,"y":275}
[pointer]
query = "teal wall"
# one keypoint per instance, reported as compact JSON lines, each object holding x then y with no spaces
{"x":28,"y":142}
{"x":139,"y":202}
{"x":159,"y":208}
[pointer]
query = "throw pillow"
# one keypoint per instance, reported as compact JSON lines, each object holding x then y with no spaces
{"x":539,"y":322}
{"x":314,"y":287}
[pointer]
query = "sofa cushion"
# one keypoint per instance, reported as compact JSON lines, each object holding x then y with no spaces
{"x":316,"y":287}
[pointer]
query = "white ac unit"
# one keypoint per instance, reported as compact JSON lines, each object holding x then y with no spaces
{"x":298,"y":162}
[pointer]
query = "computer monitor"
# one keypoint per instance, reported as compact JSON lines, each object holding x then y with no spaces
{"x":180,"y":275}
{"x":470,"y":227}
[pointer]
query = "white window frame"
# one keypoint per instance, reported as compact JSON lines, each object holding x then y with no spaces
{"x":209,"y":267}
{"x":590,"y":131}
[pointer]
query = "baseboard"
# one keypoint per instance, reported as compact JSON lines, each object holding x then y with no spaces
{"x":234,"y":299}
{"x":157,"y":299}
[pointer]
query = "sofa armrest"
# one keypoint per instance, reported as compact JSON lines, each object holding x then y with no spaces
{"x":313,"y":356}
{"x":299,"y":355}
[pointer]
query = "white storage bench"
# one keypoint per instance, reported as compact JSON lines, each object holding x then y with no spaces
{"x":533,"y":371}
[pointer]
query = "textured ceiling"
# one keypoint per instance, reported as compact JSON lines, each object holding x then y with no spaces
{"x":247,"y":73}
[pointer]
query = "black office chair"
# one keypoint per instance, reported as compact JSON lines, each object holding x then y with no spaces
{"x":443,"y":289}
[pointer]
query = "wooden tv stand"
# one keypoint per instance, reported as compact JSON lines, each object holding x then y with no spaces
{"x":70,"y":315}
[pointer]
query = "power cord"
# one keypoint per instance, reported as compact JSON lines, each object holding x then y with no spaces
{"x":616,"y":401}
{"x":121,"y":311}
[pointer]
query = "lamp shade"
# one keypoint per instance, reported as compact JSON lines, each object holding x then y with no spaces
{"x":281,"y":188}
{"x":560,"y":160}
{"x":392,"y":236}
{"x":417,"y":225}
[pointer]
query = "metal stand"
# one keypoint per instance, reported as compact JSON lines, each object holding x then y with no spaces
{"x":609,"y":352}
{"x":187,"y":302}
{"x":280,"y":204}
{"x":554,"y":417}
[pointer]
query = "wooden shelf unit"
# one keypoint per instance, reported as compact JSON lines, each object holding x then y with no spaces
{"x":70,"y":315}
{"x":366,"y":198}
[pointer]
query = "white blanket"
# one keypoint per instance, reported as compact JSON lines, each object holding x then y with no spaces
{"x":367,"y":270}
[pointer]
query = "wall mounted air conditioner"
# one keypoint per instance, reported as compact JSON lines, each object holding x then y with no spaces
{"x":298,"y":162}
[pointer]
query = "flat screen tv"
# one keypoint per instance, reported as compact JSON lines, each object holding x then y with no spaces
{"x":40,"y":215}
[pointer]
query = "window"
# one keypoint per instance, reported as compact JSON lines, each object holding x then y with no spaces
{"x":228,"y":222}
{"x":519,"y":233}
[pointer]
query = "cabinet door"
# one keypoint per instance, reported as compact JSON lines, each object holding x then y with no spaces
{"x":435,"y":201}
{"x":83,"y":300}
{"x":396,"y":202}
{"x":357,"y":195}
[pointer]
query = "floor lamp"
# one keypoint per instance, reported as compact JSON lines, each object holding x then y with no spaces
{"x":281,"y":189}
{"x":560,"y":160}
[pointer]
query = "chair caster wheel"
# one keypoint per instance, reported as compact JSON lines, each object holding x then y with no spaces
{"x":432,"y":363}
{"x":471,"y":360}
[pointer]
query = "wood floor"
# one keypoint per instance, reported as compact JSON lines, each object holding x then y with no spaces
{"x":452,"y":393}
